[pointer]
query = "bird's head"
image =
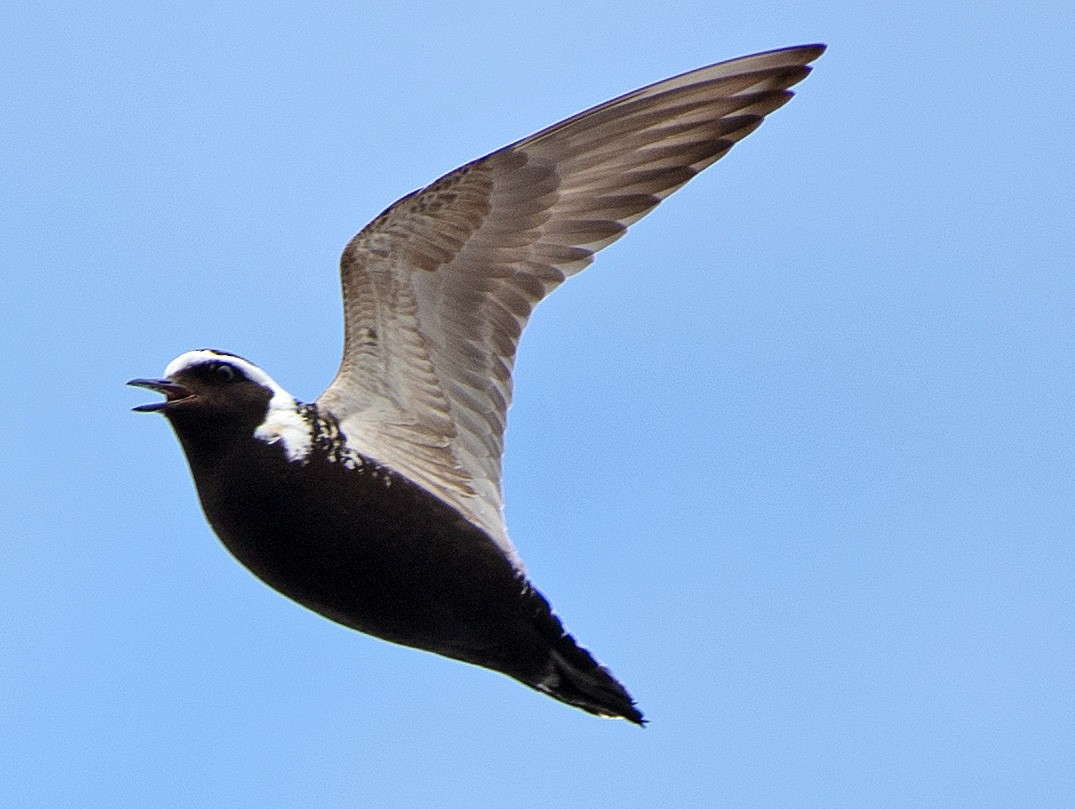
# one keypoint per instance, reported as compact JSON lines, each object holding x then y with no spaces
{"x":210,"y":395}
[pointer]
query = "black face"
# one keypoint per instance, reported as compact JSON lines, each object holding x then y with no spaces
{"x":208,"y":392}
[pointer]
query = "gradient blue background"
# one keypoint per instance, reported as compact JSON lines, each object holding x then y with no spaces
{"x":795,"y":458}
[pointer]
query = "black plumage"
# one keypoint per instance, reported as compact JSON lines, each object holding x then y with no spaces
{"x":379,"y":506}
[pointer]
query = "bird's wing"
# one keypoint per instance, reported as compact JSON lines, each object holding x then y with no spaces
{"x":437,"y":289}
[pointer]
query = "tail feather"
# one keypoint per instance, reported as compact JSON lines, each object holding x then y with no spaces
{"x":590,"y":687}
{"x":571,"y":674}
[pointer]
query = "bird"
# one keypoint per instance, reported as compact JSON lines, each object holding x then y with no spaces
{"x":379,"y":505}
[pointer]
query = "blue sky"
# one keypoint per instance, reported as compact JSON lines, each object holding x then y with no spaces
{"x":795,"y":458}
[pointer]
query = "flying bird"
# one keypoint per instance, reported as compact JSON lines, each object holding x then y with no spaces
{"x":379,"y":506}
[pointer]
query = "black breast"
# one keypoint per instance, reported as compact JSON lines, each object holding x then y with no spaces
{"x":367,"y":548}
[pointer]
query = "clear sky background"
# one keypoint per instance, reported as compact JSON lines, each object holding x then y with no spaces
{"x":795,"y":458}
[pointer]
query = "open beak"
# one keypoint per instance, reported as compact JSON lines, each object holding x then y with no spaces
{"x":172,"y":393}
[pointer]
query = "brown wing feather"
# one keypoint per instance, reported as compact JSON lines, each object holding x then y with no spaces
{"x":438,"y":288}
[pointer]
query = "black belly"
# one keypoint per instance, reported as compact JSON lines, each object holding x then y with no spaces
{"x":370,"y":550}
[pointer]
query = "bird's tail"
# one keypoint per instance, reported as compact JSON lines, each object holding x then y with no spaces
{"x":576,"y":678}
{"x":570,"y":673}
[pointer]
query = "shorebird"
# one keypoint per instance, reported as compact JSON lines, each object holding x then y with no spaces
{"x":379,"y":506}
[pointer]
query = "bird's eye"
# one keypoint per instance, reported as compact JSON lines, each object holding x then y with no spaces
{"x":222,"y":372}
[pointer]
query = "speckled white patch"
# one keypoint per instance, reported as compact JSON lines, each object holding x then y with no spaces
{"x":284,"y":423}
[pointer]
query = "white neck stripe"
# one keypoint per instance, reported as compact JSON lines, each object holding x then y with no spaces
{"x":283,"y":423}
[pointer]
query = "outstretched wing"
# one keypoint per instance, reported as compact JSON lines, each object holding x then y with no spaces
{"x":437,"y":289}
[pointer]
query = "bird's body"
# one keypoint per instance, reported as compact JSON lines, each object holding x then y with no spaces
{"x":379,"y":506}
{"x":386,"y":558}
